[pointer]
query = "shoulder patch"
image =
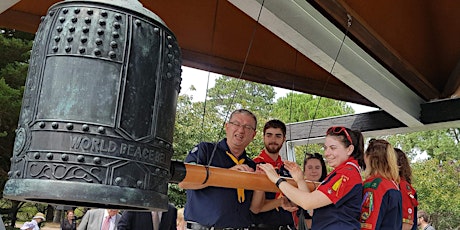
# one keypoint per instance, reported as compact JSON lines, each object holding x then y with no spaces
{"x":194,"y":149}
{"x":373,"y":184}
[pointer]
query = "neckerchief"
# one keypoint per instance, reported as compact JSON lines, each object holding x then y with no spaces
{"x":239,"y":191}
{"x":265,"y":158}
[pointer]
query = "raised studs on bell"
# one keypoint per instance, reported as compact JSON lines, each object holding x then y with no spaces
{"x":49,"y":156}
{"x":37,"y":156}
{"x":139,"y":184}
{"x":100,"y":31}
{"x":76,"y":11}
{"x":112,"y":54}
{"x":85,"y":29}
{"x":69,"y":126}
{"x":85,"y":127}
{"x":156,"y":30}
{"x":41,"y":124}
{"x":69,"y":39}
{"x":72,"y":29}
{"x":97,"y":160}
{"x":137,"y":22}
{"x":84,"y":40}
{"x":64,"y":157}
{"x":65,"y":11}
{"x":118,"y":180}
{"x":116,"y":25}
{"x":118,"y":16}
{"x":98,"y":41}
{"x":55,"y":125}
{"x":68,"y":49}
{"x":104,"y":13}
{"x":80,"y":158}
{"x":115,"y":34}
{"x":113,"y":44}
{"x":82,"y":50}
{"x":61,"y":19}
{"x":57,"y":38}
{"x":101,"y":129}
{"x":90,"y":12}
{"x":87,"y":20}
{"x":97,"y":52}
{"x":74,"y":19}
{"x":59,"y":29}
{"x":102,"y":22}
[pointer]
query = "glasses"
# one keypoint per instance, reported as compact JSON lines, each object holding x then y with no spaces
{"x":245,"y":127}
{"x":339,"y":129}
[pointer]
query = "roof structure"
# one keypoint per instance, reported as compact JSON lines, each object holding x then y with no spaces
{"x":402,"y":57}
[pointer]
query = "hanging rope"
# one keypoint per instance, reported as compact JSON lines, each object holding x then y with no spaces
{"x":239,"y":78}
{"x":349,"y":22}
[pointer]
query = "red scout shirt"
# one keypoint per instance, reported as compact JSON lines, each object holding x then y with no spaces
{"x":381,"y":207}
{"x":409,"y":202}
{"x":343,"y":186}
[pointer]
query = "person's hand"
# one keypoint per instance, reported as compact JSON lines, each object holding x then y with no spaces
{"x":242,"y":167}
{"x":270,"y":172}
{"x":294,"y":170}
{"x":287,"y":205}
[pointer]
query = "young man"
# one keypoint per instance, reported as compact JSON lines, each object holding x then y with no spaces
{"x":422,"y":221}
{"x":271,"y":215}
{"x":211,"y":207}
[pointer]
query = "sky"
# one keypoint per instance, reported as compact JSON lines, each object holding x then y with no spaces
{"x":198,"y":78}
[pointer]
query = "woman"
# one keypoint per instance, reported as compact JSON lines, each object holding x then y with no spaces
{"x":314,"y":169}
{"x":69,"y":222}
{"x":408,"y":193}
{"x":336,"y":202}
{"x":381,"y":207}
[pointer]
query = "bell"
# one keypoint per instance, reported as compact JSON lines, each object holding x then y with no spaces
{"x":98,"y":112}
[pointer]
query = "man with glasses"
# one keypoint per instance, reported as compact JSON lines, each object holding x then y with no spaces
{"x":272,"y":215}
{"x":210,"y":207}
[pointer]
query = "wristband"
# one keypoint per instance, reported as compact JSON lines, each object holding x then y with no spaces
{"x":278,"y":182}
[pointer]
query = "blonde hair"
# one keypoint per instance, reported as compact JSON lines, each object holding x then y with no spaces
{"x":381,"y":160}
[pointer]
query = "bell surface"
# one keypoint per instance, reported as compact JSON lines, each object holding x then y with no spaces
{"x":98,"y":111}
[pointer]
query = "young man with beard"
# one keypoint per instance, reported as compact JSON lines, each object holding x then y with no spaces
{"x":276,"y":210}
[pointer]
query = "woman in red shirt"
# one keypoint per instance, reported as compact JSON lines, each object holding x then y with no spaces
{"x":408,"y":193}
{"x":381,"y":207}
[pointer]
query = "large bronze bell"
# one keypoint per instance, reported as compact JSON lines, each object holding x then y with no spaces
{"x":97,"y":119}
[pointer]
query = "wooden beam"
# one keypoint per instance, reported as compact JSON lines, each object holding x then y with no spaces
{"x":313,"y":35}
{"x":441,"y":111}
{"x":20,"y":21}
{"x":366,"y":37}
{"x":272,"y":77}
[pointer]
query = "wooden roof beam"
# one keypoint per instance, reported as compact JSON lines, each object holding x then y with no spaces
{"x":304,"y":28}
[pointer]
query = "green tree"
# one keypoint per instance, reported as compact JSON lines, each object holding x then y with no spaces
{"x":14,"y":56}
{"x":437,"y":184}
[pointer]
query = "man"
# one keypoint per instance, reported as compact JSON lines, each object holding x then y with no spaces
{"x":35,"y":223}
{"x":149,"y":220}
{"x":100,"y":219}
{"x":272,"y":215}
{"x":422,"y":221}
{"x":214,"y":207}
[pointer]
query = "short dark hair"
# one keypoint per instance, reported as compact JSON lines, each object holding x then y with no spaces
{"x":277,"y":124}
{"x":244,"y":111}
